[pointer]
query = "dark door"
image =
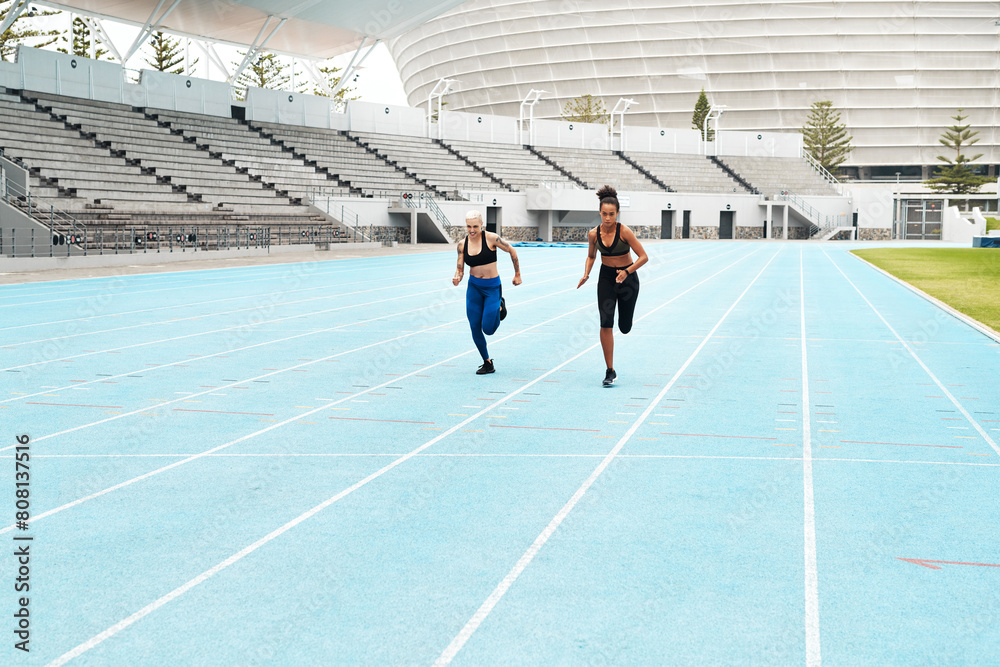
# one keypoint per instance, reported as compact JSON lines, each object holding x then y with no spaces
{"x":725,"y":224}
{"x":491,"y":219}
{"x":686,"y":230}
{"x":666,"y":224}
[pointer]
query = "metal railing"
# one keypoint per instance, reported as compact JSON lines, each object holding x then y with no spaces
{"x":827,"y":176}
{"x":357,"y":229}
{"x":818,"y":223}
{"x":57,"y":221}
{"x":423,"y":200}
{"x":145,"y":239}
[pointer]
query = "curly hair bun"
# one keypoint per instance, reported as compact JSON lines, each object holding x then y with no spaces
{"x":607,"y":191}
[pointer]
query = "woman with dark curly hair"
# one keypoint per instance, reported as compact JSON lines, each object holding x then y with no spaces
{"x":617,"y":283}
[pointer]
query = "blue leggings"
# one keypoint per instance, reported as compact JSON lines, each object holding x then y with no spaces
{"x":482,"y":306}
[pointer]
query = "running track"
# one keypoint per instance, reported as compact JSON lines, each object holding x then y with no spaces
{"x":296,"y":464}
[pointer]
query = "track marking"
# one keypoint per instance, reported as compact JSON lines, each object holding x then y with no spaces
{"x":913,"y":354}
{"x":813,"y":654}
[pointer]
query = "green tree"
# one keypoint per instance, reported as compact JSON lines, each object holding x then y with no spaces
{"x":332,"y":76}
{"x":585,"y":109}
{"x":20,"y":32}
{"x":168,"y":55}
{"x":825,"y":137}
{"x":701,"y":109}
{"x":266,"y":71}
{"x":957,"y":177}
{"x":82,"y":43}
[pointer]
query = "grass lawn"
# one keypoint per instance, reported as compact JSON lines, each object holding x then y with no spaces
{"x":967,"y":279}
{"x":992,"y":223}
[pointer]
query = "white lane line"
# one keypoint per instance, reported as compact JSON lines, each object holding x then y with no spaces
{"x":965,"y":413}
{"x":484,"y":610}
{"x":145,"y":611}
{"x":813,"y":655}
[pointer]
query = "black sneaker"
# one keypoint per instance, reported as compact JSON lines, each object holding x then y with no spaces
{"x":486,"y":368}
{"x":609,"y":377}
{"x":503,"y":308}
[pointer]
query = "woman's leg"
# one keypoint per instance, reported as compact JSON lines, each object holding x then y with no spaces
{"x":628,"y":292}
{"x":491,"y":310}
{"x":474,"y":302}
{"x":606,"y":300}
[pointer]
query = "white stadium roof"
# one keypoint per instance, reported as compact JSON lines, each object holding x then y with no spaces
{"x":311,"y":28}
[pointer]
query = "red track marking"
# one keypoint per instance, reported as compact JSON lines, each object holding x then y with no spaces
{"x":924,"y":384}
{"x":548,"y":428}
{"x":566,"y":371}
{"x":113,"y":352}
{"x":822,"y":392}
{"x":634,"y":406}
{"x":826,"y":413}
{"x":952,"y":419}
{"x":269,"y":369}
{"x":706,"y":435}
{"x":108,"y":382}
{"x":553,"y":381}
{"x":239,"y":387}
{"x":670,"y":407}
{"x":956,"y":385}
{"x":77,"y":380}
{"x":421,"y":376}
{"x":225,"y":412}
{"x":790,"y":379}
{"x":692,"y":376}
{"x":933,"y":396}
{"x":968,"y":398}
{"x":299,"y":370}
{"x":222,"y":356}
{"x":650,"y":385}
{"x":345,"y":392}
{"x":820,"y":380}
{"x":788,"y":412}
{"x":393,"y":375}
{"x":900,"y":444}
{"x":681,"y":386}
{"x":181,"y":365}
{"x":154,"y":364}
{"x":67,"y":361}
{"x":305,"y":359}
{"x":374,"y":394}
{"x":396,"y":421}
{"x":486,"y":399}
{"x":74,"y":405}
{"x":924,"y":562}
{"x":985,"y":420}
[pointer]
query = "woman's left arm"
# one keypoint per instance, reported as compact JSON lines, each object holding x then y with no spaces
{"x":640,"y":254}
{"x":506,"y":247}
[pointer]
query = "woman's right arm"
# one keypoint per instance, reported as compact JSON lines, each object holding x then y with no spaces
{"x":460,"y":270}
{"x":591,"y":256}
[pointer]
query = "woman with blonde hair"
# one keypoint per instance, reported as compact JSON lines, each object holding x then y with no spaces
{"x":484,"y":302}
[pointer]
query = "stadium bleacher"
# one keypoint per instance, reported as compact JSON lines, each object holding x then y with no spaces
{"x":600,"y":167}
{"x":775,"y":175}
{"x":513,"y":165}
{"x":687,"y":173}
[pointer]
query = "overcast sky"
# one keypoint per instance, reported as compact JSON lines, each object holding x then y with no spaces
{"x":378,"y":80}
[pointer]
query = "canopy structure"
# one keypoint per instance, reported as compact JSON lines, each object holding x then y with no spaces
{"x":317,"y":29}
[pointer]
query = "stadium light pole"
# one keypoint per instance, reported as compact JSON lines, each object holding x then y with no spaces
{"x":530,"y":101}
{"x":620,"y":111}
{"x":440,"y":89}
{"x":714,"y":113}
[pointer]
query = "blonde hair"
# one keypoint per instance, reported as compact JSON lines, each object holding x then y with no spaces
{"x":474,"y":215}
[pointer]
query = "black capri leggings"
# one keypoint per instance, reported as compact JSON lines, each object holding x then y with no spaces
{"x":611,"y":294}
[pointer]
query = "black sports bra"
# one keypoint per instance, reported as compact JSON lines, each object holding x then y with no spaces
{"x":485,"y":256}
{"x":618,"y":247}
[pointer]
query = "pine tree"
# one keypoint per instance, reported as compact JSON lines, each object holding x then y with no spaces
{"x":585,"y":109}
{"x":82,"y":45}
{"x":168,"y":56}
{"x":701,"y":109}
{"x":17,"y":33}
{"x":332,"y":76}
{"x":825,"y":137}
{"x":266,"y":71}
{"x":957,"y":177}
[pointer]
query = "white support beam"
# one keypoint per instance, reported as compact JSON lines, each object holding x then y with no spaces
{"x":97,"y":29}
{"x":15,"y":11}
{"x":351,"y":69}
{"x":152,"y":23}
{"x":213,"y":56}
{"x":257,"y":46}
{"x":311,"y":69}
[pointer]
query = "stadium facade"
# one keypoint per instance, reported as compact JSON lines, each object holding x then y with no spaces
{"x":897,"y":70}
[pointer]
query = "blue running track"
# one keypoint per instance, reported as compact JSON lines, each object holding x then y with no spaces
{"x":297,"y":465}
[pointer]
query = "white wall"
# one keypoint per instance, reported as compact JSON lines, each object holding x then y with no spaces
{"x":62,"y":74}
{"x":386,"y":119}
{"x":563,"y":134}
{"x":757,"y":144}
{"x":657,"y":140}
{"x":959,"y":229}
{"x":175,"y":92}
{"x":873,"y":204}
{"x":478,"y":127}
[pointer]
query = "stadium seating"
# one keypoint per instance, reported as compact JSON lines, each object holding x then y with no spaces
{"x":261,"y":158}
{"x":429,"y":161}
{"x":173,"y":159}
{"x":600,"y":167}
{"x":347,"y":161}
{"x":687,"y":173}
{"x":774,"y":175}
{"x":514,"y":165}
